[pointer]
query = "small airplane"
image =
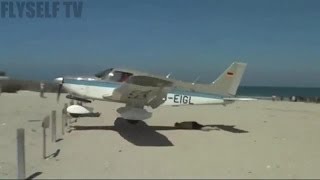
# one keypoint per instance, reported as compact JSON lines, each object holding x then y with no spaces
{"x":138,"y":90}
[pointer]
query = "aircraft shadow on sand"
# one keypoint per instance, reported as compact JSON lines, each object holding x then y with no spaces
{"x":142,"y":134}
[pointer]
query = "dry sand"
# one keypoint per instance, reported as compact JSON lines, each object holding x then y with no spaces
{"x":257,"y":139}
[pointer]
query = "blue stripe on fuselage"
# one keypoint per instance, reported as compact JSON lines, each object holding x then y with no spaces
{"x":116,"y":85}
{"x":93,"y":83}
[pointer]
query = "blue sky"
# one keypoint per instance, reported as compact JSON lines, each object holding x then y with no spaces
{"x":279,"y":39}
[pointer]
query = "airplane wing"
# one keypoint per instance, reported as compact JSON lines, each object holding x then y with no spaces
{"x":139,"y":91}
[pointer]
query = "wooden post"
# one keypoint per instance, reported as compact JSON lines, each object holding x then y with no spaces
{"x":64,"y":117}
{"x":44,"y":146}
{"x":21,"y":154}
{"x":63,"y":121}
{"x":54,"y":126}
{"x":45,"y":124}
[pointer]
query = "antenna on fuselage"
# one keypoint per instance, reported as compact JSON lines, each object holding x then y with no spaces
{"x":195,"y":80}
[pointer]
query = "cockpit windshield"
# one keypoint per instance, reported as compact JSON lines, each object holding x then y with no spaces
{"x":113,"y":75}
{"x":119,"y":76}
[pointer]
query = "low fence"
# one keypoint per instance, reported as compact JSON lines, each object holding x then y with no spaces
{"x":46,"y":123}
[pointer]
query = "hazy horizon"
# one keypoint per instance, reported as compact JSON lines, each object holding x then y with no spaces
{"x":49,"y":79}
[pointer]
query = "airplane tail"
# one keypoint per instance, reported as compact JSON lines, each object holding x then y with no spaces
{"x":228,"y":82}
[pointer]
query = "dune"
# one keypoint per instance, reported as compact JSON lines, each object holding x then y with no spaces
{"x":252,"y":139}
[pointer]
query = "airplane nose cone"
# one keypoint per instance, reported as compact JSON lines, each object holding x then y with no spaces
{"x":58,"y":80}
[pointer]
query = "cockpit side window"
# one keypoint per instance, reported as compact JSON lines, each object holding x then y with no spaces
{"x":119,"y":76}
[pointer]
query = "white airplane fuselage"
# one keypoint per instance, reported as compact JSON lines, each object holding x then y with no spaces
{"x":138,"y":90}
{"x":97,"y":90}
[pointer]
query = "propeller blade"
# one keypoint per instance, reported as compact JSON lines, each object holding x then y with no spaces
{"x":60,"y":80}
{"x":59,"y":92}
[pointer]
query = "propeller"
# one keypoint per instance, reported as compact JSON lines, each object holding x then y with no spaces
{"x":59,"y":80}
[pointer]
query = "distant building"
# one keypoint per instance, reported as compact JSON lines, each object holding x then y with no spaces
{"x":2,"y":78}
{"x":3,"y":75}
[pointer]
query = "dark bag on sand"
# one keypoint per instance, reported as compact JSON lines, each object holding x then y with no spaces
{"x":188,"y":125}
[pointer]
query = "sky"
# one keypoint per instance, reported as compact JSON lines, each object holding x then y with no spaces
{"x":279,"y":39}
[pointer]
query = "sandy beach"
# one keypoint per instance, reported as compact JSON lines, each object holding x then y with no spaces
{"x":256,"y":139}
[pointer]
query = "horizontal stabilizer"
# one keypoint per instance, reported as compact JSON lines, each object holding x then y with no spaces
{"x":240,"y":99}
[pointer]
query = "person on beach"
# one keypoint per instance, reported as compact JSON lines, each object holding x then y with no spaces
{"x":41,"y":89}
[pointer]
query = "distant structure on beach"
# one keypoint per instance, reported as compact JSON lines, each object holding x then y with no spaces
{"x":3,"y":75}
{"x":12,"y":84}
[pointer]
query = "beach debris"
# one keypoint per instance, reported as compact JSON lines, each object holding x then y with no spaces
{"x":268,"y":167}
{"x":3,"y":124}
{"x":188,"y":125}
